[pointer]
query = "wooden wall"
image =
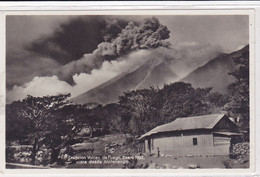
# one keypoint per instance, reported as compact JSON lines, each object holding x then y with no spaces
{"x":182,"y":144}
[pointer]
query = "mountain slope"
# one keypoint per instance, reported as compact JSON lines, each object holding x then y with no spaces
{"x":154,"y":72}
{"x":215,"y":72}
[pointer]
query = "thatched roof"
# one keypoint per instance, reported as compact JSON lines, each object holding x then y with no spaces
{"x":187,"y":123}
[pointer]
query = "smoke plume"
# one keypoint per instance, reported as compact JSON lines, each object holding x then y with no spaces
{"x":148,"y":34}
{"x":124,"y":47}
{"x":52,"y":85}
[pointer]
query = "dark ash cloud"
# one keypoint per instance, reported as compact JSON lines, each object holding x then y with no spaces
{"x":148,"y":34}
{"x":71,"y":40}
{"x":52,"y":42}
{"x":22,"y":67}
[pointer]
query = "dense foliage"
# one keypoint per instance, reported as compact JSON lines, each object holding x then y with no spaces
{"x":55,"y":123}
{"x":239,"y":90}
{"x":37,"y":121}
{"x":149,"y":108}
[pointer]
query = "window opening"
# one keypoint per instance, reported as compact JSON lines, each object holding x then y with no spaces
{"x":195,"y":141}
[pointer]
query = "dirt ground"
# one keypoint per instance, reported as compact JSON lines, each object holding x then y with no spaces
{"x":176,"y":163}
{"x":150,"y":161}
{"x":93,"y":148}
{"x":185,"y":162}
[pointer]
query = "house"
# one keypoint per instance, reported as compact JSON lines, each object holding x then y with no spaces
{"x":199,"y":135}
{"x":87,"y":130}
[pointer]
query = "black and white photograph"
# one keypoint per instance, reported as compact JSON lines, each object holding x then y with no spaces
{"x":128,"y":91}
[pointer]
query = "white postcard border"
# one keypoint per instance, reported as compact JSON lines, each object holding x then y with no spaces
{"x":135,"y":171}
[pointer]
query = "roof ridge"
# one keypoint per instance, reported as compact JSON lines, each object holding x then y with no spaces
{"x":197,"y":116}
{"x":182,"y":124}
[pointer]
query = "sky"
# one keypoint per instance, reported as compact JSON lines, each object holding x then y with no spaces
{"x":50,"y":54}
{"x":229,"y":32}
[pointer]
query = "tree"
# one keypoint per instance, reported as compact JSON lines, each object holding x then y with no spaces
{"x":17,"y":128}
{"x":61,"y":128}
{"x":118,"y":118}
{"x":140,"y":114}
{"x":218,"y":100}
{"x":239,"y":90}
{"x":148,"y":108}
{"x":40,"y":112}
{"x":181,"y":100}
{"x":99,"y":117}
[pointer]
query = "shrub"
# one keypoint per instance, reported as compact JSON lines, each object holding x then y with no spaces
{"x":240,"y":150}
